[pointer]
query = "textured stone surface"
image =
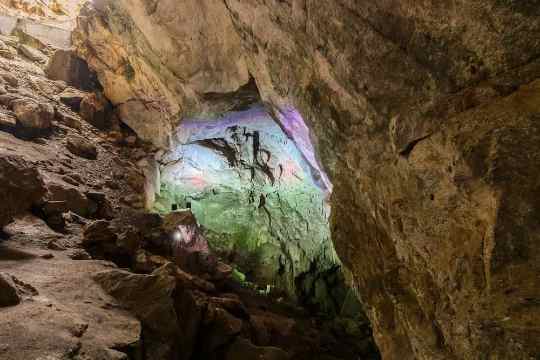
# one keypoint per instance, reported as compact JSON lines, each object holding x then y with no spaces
{"x":149,"y":298}
{"x":426,"y":116}
{"x":165,"y":61}
{"x":21,"y":186}
{"x":9,"y":295}
{"x":254,"y":193}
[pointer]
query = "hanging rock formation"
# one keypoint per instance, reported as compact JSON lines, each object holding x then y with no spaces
{"x":425,"y":115}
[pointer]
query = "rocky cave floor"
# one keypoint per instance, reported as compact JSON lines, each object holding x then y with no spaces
{"x":85,"y":272}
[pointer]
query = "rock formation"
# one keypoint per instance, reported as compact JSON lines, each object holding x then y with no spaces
{"x":72,"y":213}
{"x":424,"y":114}
{"x":259,"y":200}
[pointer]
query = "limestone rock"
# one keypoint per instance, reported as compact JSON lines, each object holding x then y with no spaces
{"x":68,"y":119}
{"x":9,"y":294}
{"x":96,"y":110}
{"x":66,"y":66}
{"x":104,"y":207}
{"x":32,"y":53}
{"x":149,"y":298}
{"x":7,"y":51}
{"x":72,"y":98}
{"x":7,"y":119}
{"x":220,"y":327}
{"x":62,"y":198}
{"x":30,"y":226}
{"x":99,"y":231}
{"x":82,"y":147}
{"x":21,"y":186}
{"x":10,"y":79}
{"x":143,"y":92}
{"x":33,"y":115}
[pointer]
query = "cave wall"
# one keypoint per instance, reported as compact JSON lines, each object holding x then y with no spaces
{"x":158,"y":61}
{"x":258,"y":200}
{"x":426,"y":115}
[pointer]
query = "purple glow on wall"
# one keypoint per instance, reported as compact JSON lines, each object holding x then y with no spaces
{"x":294,"y":126}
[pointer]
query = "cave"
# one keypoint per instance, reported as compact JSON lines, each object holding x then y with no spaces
{"x":247,"y":179}
{"x":261,"y":202}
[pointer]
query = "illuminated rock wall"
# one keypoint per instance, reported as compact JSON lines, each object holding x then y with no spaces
{"x":256,"y":188}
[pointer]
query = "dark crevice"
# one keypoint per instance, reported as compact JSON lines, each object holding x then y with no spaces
{"x":410,"y":146}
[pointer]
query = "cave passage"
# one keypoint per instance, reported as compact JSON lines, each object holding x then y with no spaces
{"x":258,"y":193}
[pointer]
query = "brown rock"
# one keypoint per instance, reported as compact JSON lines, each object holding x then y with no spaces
{"x":104,"y":207}
{"x":10,"y":79}
{"x":68,"y":119}
{"x":62,"y":198}
{"x":425,"y":118}
{"x":72,"y":97}
{"x":96,"y":110}
{"x":9,"y":294}
{"x":82,"y":147}
{"x":220,"y":327}
{"x":21,"y":186}
{"x":32,"y":54}
{"x":30,"y":227}
{"x":99,"y":231}
{"x":66,"y":66}
{"x":33,"y":115}
{"x":149,"y":298}
{"x":233,"y":306}
{"x":79,"y":254}
{"x":7,"y":119}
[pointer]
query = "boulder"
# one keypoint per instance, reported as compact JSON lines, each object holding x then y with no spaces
{"x":219,"y":328}
{"x":11,"y":41}
{"x":32,"y":114}
{"x":82,"y":147}
{"x":72,"y":98}
{"x":10,"y":79}
{"x":149,"y":297}
{"x":9,"y":294}
{"x":21,"y":186}
{"x":7,"y":120}
{"x":31,"y":227}
{"x":99,"y":232}
{"x":68,"y":119}
{"x":104,"y":207}
{"x":7,"y":51}
{"x":62,"y":198}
